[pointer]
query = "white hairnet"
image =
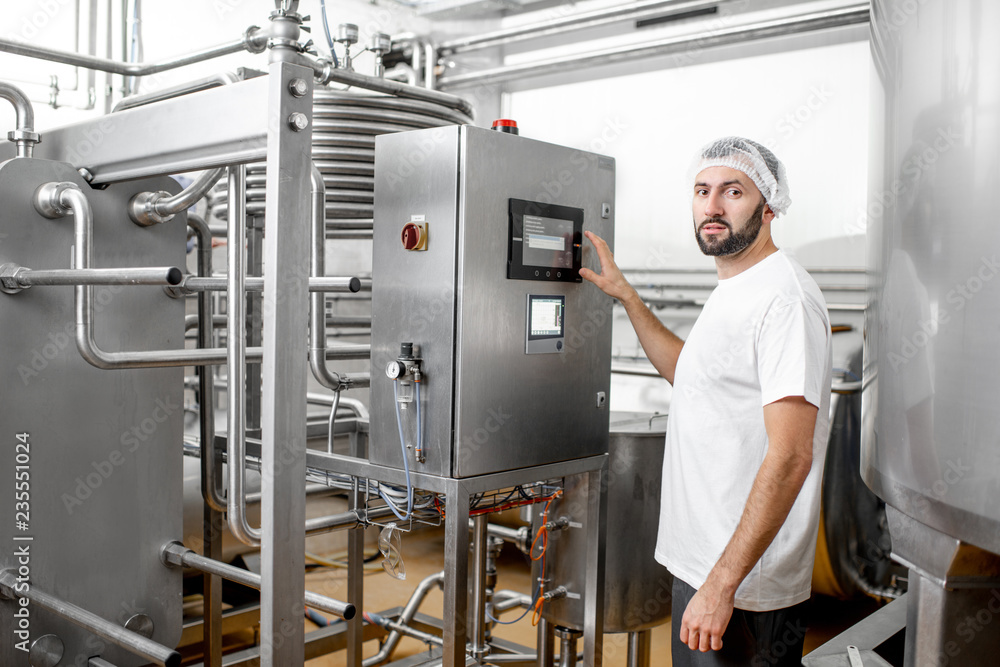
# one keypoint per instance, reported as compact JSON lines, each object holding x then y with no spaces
{"x":754,"y":160}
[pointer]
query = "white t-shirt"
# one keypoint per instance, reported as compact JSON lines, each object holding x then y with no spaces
{"x":762,"y":336}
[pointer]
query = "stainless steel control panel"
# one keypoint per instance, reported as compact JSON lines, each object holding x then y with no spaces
{"x":477,"y":249}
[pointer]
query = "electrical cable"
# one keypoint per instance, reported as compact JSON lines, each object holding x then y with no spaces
{"x":326,"y":31}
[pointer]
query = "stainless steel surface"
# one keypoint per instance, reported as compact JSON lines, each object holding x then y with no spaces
{"x":868,"y":634}
{"x":178,"y":555}
{"x":220,"y":79}
{"x":412,"y":606}
{"x":456,"y":575}
{"x":24,"y":135}
{"x":345,"y":124}
{"x":46,"y":651}
{"x":630,"y":11}
{"x":639,"y":648}
{"x":325,"y":73}
{"x":283,"y":419}
{"x":817,"y":20}
{"x":854,"y":656}
{"x":152,"y":208}
{"x":189,"y":135}
{"x":236,"y":341}
{"x":930,"y":351}
{"x":12,"y":589}
{"x":567,"y":646}
{"x":546,"y":643}
{"x":477,"y":614}
{"x":104,"y":444}
{"x":160,"y":275}
{"x":327,"y":284}
{"x":466,"y":317}
{"x":637,"y":588}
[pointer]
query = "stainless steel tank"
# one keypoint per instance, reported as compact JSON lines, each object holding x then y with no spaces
{"x":636,"y":587}
{"x":932,"y":357}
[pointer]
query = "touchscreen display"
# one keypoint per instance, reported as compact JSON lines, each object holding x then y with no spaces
{"x":548,"y":242}
{"x":546,"y":313}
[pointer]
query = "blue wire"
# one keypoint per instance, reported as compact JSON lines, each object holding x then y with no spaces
{"x":406,"y":462}
{"x":326,"y":30}
{"x":534,"y":599}
{"x":847,"y":372}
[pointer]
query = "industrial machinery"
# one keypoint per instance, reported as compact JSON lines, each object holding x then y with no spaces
{"x":95,"y":317}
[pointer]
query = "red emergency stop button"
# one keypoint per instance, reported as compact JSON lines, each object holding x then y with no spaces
{"x":414,"y":236}
{"x":505,"y":125}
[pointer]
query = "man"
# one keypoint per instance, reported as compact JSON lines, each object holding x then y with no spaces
{"x":749,"y":421}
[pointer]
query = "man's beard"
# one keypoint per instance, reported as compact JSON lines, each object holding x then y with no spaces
{"x":735,"y":241}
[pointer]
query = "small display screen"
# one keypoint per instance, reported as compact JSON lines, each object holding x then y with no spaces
{"x":547,"y":242}
{"x":546,"y":316}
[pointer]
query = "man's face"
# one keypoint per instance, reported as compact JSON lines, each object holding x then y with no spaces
{"x":728,"y":211}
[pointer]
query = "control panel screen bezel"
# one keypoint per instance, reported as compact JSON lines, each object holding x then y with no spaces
{"x":516,"y":267}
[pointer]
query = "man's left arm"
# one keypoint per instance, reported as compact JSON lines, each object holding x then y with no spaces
{"x":790,"y":423}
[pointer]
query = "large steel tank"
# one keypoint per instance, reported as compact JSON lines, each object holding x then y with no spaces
{"x":932,"y":358}
{"x":636,"y":587}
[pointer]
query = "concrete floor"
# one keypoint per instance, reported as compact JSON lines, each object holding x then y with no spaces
{"x":423,"y":555}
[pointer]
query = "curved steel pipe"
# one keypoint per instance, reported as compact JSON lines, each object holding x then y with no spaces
{"x":55,"y":200}
{"x":317,"y":315}
{"x":830,"y":18}
{"x":409,"y":611}
{"x":24,"y":135}
{"x":211,"y":463}
{"x":132,"y":642}
{"x":326,"y":72}
{"x":236,"y":360}
{"x":151,"y":208}
{"x":254,"y":40}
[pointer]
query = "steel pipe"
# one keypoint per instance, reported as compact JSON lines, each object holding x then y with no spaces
{"x":177,"y":555}
{"x":236,"y":360}
{"x":220,"y":79}
{"x":254,"y":40}
{"x":632,"y":11}
{"x":477,"y":634}
{"x":345,"y":520}
{"x":211,"y":463}
{"x":159,"y":275}
{"x":151,"y":208}
{"x":327,"y":73}
{"x":406,"y":616}
{"x":24,"y":134}
{"x":820,"y":20}
{"x":317,"y":316}
{"x":196,"y":284}
{"x":11,"y":588}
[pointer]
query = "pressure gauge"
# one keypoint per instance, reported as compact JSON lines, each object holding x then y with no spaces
{"x":395,"y":370}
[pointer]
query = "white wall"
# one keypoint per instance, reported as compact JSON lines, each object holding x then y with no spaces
{"x":809,"y":106}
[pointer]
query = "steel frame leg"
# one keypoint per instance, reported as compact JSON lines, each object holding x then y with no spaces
{"x":593,"y":604}
{"x":456,"y":573}
{"x":283,"y":420}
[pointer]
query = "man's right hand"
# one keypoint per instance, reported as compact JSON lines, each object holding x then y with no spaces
{"x":610,"y":280}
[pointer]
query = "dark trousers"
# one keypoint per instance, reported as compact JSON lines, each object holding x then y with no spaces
{"x":752,"y":639}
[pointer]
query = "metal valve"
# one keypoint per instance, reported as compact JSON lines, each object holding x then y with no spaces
{"x":347,"y":34}
{"x":379,"y":44}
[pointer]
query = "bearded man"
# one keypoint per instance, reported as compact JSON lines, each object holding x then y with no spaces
{"x":749,"y":421}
